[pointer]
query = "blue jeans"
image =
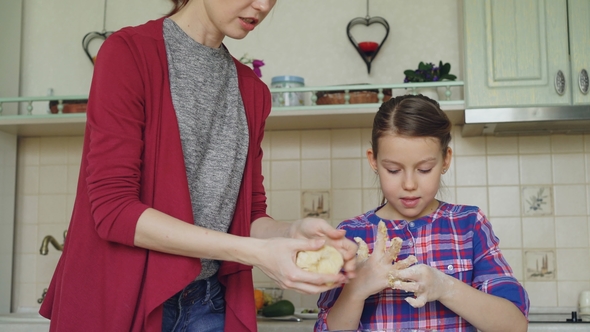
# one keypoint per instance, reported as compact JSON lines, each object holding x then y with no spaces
{"x":199,"y":307}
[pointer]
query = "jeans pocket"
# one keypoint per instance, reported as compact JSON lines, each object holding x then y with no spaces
{"x":216,"y":300}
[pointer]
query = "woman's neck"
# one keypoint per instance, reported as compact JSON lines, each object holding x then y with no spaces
{"x":194,"y":21}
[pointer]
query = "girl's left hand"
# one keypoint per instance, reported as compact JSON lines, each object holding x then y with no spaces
{"x":427,"y":283}
{"x":314,"y":228}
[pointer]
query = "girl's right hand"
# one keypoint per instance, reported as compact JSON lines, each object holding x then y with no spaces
{"x":277,"y":260}
{"x":372,"y":275}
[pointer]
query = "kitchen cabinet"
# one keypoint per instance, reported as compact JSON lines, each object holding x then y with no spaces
{"x":521,"y":53}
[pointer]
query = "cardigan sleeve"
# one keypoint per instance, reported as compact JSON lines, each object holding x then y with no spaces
{"x":115,"y":125}
{"x":257,"y":103}
{"x":258,"y":192}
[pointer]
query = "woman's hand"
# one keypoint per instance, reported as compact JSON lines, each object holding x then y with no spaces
{"x":277,"y":261}
{"x":427,"y":284}
{"x":315,"y":228}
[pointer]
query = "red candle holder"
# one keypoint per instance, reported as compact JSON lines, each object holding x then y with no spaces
{"x":368,"y":47}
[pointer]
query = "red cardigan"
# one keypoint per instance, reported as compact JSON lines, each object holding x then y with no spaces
{"x":132,"y":159}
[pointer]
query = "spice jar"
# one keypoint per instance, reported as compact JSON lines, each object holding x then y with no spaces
{"x":287,"y":98}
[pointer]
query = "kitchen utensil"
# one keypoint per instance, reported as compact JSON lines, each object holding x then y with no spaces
{"x":301,"y":313}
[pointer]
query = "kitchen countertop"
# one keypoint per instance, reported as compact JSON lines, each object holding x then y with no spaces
{"x":306,"y":325}
{"x":269,"y":325}
{"x":35,"y":323}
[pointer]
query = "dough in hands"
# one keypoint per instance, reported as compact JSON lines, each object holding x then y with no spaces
{"x":394,"y":249}
{"x":325,"y":260}
{"x":395,"y":245}
{"x":400,"y":265}
{"x":362,"y":252}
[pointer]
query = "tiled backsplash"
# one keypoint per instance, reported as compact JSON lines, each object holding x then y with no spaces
{"x":535,"y":190}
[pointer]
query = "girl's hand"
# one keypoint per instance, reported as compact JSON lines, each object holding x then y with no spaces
{"x":315,"y":228}
{"x":427,"y":284}
{"x":373,"y":273}
{"x":287,"y":274}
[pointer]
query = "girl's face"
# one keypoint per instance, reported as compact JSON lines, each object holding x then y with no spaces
{"x":409,"y":170}
{"x":236,"y":18}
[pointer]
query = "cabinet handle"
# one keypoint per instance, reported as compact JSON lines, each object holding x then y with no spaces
{"x":583,"y":81}
{"x":560,"y":83}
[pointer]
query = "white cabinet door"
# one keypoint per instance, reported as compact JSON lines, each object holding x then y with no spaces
{"x":514,"y":52}
{"x":579,"y":34}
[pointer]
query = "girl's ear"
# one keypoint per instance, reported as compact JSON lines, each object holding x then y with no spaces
{"x":371,"y":159}
{"x":448,"y":158}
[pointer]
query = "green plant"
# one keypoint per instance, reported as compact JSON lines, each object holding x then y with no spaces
{"x":428,"y":72}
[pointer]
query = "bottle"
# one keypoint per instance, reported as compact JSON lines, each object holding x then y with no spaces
{"x":287,"y":98}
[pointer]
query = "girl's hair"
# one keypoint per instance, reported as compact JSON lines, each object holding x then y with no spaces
{"x":411,"y":116}
{"x":178,"y":5}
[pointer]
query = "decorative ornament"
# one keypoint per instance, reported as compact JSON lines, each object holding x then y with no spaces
{"x":96,"y":35}
{"x":367,"y":49}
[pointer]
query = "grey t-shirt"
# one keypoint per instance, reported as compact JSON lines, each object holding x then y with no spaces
{"x":213,"y":128}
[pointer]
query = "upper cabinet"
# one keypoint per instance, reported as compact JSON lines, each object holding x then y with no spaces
{"x":521,"y":53}
{"x":579,"y":37}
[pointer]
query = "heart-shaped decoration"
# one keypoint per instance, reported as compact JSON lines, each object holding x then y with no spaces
{"x":90,"y":37}
{"x":367,"y":50}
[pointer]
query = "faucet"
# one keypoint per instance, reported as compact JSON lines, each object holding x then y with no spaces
{"x":50,"y":239}
{"x":40,"y":300}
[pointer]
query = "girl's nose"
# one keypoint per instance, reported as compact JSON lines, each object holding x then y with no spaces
{"x":409,"y":183}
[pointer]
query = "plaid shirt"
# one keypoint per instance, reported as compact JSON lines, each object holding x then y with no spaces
{"x":456,"y":239}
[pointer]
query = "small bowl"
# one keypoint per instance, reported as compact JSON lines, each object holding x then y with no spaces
{"x":271,"y":294}
{"x":69,"y":106}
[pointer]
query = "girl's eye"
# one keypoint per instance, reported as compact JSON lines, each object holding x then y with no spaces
{"x":425,"y":171}
{"x":393,"y":171}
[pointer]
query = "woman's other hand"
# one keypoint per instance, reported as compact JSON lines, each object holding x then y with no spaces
{"x":316,"y":228}
{"x":277,"y":260}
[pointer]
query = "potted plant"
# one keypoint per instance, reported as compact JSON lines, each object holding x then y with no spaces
{"x":256,"y":64}
{"x":429,"y":72}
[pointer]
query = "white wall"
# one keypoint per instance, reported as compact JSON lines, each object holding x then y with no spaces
{"x":303,"y":37}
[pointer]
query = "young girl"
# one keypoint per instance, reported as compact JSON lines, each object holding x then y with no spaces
{"x":461,"y":281}
{"x":170,"y":211}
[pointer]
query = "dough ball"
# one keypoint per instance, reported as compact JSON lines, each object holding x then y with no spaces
{"x":325,"y":260}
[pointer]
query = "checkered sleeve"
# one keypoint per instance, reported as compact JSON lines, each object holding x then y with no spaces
{"x":493,"y":275}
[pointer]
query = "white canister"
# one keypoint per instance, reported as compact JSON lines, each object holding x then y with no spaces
{"x":584,"y":304}
{"x":287,"y":98}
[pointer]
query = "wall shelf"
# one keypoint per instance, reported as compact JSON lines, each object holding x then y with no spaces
{"x":312,"y":116}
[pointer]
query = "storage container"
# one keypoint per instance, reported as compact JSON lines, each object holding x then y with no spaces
{"x":287,"y":98}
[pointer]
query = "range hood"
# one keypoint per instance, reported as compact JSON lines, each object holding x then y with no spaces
{"x":522,"y":121}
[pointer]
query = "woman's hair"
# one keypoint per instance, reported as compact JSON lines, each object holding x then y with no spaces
{"x":411,"y":116}
{"x":177,"y":5}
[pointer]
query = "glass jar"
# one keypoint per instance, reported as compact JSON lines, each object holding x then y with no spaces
{"x":287,"y":98}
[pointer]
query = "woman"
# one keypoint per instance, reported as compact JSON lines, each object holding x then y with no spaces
{"x":169,"y":216}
